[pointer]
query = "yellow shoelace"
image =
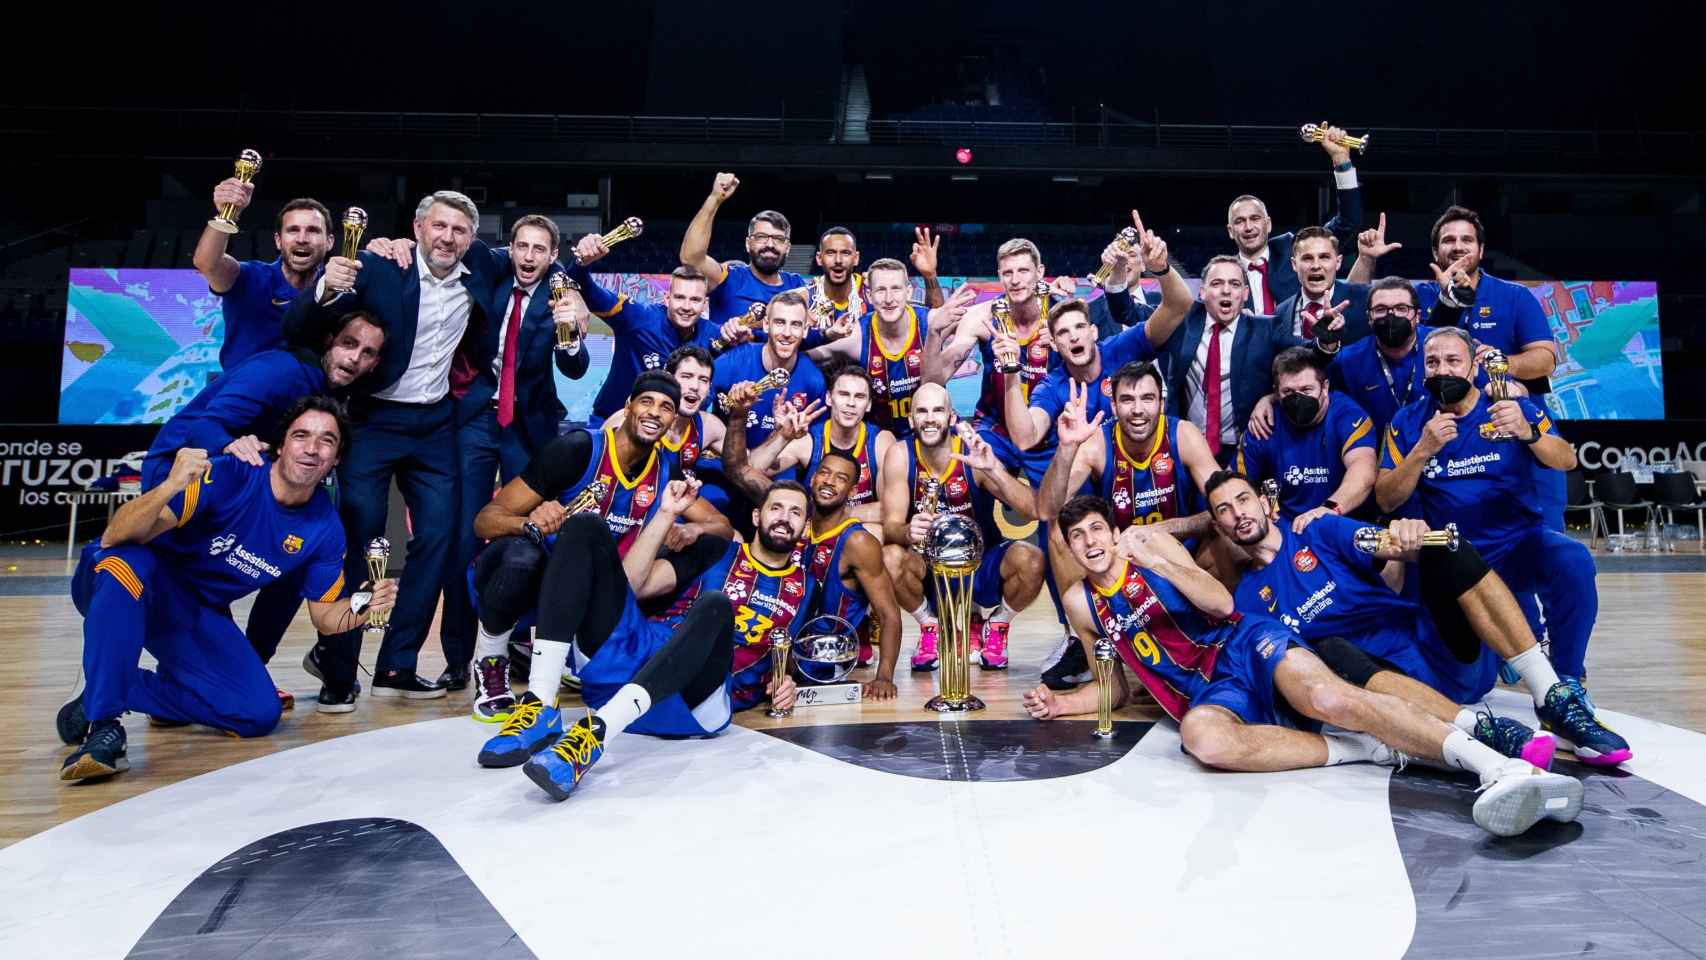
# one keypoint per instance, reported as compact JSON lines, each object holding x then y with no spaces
{"x":577,"y":745}
{"x":525,"y":715}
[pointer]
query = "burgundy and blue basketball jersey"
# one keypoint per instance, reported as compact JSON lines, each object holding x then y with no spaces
{"x":740,"y":289}
{"x":682,"y":455}
{"x":1307,"y":462}
{"x":1148,"y":485}
{"x":1167,"y":642}
{"x":233,"y":536}
{"x":628,"y":502}
{"x":745,"y":363}
{"x":1035,"y":361}
{"x":823,"y":562}
{"x":864,"y":450}
{"x":766,"y":601}
{"x":958,"y":490}
{"x":1487,"y":487}
{"x":895,"y":374}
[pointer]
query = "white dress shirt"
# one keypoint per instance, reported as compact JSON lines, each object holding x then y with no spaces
{"x":1302,"y":306}
{"x":1197,"y":411}
{"x":503,"y":326}
{"x":1257,"y":303}
{"x":443,"y":318}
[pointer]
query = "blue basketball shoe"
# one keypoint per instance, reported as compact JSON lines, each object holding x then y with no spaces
{"x":1569,"y":714}
{"x":532,"y":726}
{"x":560,"y":769}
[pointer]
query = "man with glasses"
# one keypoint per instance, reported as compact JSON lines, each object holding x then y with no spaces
{"x":735,"y":286}
{"x":1383,"y":373}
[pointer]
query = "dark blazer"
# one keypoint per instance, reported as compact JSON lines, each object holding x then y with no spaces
{"x":1356,"y":315}
{"x":1344,"y":226}
{"x":538,"y":412}
{"x":393,"y":294}
{"x":1255,"y":343}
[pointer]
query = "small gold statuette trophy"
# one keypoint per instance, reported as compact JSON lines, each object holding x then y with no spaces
{"x":568,"y":334}
{"x":929,"y":502}
{"x":1105,"y":666}
{"x":1127,"y":242}
{"x":355,"y":224}
{"x":1270,"y":493}
{"x":953,"y":551}
{"x":780,"y":647}
{"x":1317,"y":132}
{"x":626,"y":230}
{"x":1498,"y":367}
{"x":589,"y":499}
{"x":378,"y":559}
{"x":248,"y":164}
{"x":822,"y":314}
{"x":1003,"y":315}
{"x":1376,"y":539}
{"x":774,"y":380}
{"x":752,"y":319}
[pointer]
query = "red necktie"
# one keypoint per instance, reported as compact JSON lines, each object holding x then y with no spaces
{"x":1311,"y":313}
{"x":506,"y":380}
{"x":1261,"y":267}
{"x":1211,"y":390}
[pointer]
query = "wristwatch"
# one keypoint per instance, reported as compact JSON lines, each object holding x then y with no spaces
{"x":1534,"y":435}
{"x":531,"y":531}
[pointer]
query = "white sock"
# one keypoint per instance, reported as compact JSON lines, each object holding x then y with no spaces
{"x":923,"y":615}
{"x":1536,"y":672}
{"x":624,"y":708}
{"x":1343,"y":746}
{"x":1464,"y":752}
{"x":1003,"y":613}
{"x":491,"y":644}
{"x":1465,"y":721}
{"x":545,"y":674}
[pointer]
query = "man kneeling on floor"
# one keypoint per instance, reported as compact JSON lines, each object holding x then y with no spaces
{"x":164,"y":574}
{"x":1246,"y":692}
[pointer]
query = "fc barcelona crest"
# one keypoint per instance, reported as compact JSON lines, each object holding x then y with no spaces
{"x":292,"y":544}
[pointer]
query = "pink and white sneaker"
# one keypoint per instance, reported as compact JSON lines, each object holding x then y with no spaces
{"x":994,"y":656}
{"x":974,"y":646}
{"x":924,"y":657}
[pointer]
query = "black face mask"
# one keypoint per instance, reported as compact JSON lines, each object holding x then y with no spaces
{"x":1299,"y":409}
{"x":1392,"y":331}
{"x":1447,"y":389}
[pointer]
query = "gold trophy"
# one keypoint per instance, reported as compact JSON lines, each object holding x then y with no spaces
{"x":822,"y":314}
{"x":1127,"y":242}
{"x":1003,"y":315}
{"x":378,"y":558}
{"x":1376,"y":539}
{"x":626,"y":230}
{"x":780,"y":647}
{"x":568,"y":334}
{"x":1270,"y":493}
{"x":1498,"y":367}
{"x":589,"y":500}
{"x":929,"y":502}
{"x":1105,"y":666}
{"x":248,"y":164}
{"x":774,"y":380}
{"x":1317,"y":132}
{"x":953,"y":550}
{"x":752,"y":319}
{"x":355,"y":224}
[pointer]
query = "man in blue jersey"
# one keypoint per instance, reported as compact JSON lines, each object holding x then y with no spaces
{"x":785,"y":325}
{"x":1471,"y":461}
{"x":619,"y":470}
{"x":1244,"y":689}
{"x":682,"y":673}
{"x":254,"y":294}
{"x":1321,"y":450}
{"x":799,"y":443}
{"x":1382,"y":373}
{"x":1356,"y":597}
{"x":735,"y":286}
{"x":163,"y":576}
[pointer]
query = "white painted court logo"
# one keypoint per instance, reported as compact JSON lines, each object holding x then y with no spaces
{"x":221,"y":544}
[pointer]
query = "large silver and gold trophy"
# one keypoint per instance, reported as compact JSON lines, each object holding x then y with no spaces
{"x":378,"y":559}
{"x":354,"y":226}
{"x":1105,"y":667}
{"x":248,"y":164}
{"x":953,"y":549}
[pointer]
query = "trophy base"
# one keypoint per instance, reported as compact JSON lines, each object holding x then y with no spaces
{"x":942,"y":704}
{"x":223,"y":226}
{"x":1101,"y":734}
{"x":778,"y":714}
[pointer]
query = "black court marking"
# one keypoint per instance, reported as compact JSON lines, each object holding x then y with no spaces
{"x":1679,"y":562}
{"x":344,"y":888}
{"x":979,"y":750}
{"x":1627,"y":879}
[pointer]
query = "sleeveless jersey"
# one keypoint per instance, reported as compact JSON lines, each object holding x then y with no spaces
{"x":960,"y":492}
{"x":823,"y":561}
{"x":864,"y":450}
{"x":1035,"y":360}
{"x":1150,"y":485}
{"x":894,"y":376}
{"x":1166,"y":641}
{"x":628,"y":502}
{"x":683,"y":455}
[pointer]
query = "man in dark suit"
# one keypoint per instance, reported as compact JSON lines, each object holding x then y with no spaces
{"x":1315,"y":259}
{"x":405,"y":425}
{"x":506,"y":409}
{"x":1265,"y":259}
{"x":1219,"y":361}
